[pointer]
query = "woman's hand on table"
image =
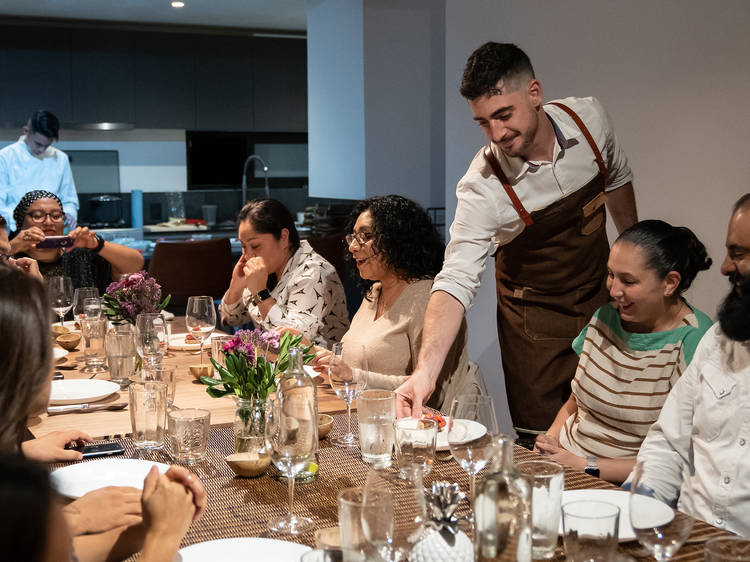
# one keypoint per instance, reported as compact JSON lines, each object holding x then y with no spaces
{"x":51,"y":447}
{"x":168,"y":510}
{"x":26,"y":239}
{"x":104,"y":509}
{"x":549,"y":446}
{"x":190,"y":481}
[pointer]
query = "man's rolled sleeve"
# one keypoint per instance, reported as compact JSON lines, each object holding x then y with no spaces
{"x":615,"y":159}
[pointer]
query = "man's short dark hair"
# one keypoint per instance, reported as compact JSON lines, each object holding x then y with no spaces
{"x":44,"y":123}
{"x":491,"y":63}
{"x":742,"y":203}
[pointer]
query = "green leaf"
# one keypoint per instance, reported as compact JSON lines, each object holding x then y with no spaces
{"x":210,"y":381}
{"x":217,"y":393}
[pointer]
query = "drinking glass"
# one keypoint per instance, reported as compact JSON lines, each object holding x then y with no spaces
{"x":415,"y":445}
{"x":93,"y":331}
{"x":60,"y":293}
{"x":590,"y":531}
{"x":340,"y":375}
{"x":472,"y":429}
{"x":79,"y":296}
{"x":376,"y":410}
{"x":727,"y":549}
{"x":547,"y":479}
{"x":165,"y":374}
{"x":148,"y":413}
{"x":291,"y":436}
{"x":121,"y":355}
{"x":92,"y":307}
{"x":188,"y":434}
{"x":150,"y":335}
{"x":351,"y":535}
{"x":659,"y":528}
{"x":200,"y":319}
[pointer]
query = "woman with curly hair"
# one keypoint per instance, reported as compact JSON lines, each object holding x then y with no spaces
{"x":397,"y":252}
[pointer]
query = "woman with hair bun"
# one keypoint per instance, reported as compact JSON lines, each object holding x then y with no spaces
{"x":631,"y":352}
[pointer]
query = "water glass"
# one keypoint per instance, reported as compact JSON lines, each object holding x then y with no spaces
{"x":121,"y":356}
{"x":150,"y":337}
{"x":727,"y":549}
{"x":148,"y":413}
{"x":415,"y":446}
{"x":200,"y":319}
{"x":547,"y":479}
{"x":165,"y":374}
{"x":341,"y":374}
{"x":92,"y":307}
{"x":351,"y":535}
{"x":188,"y":434}
{"x":590,"y":531}
{"x":377,"y":412}
{"x":80,"y":295}
{"x":93,"y":331}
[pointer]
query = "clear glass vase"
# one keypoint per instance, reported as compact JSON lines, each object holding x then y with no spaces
{"x":250,"y":425}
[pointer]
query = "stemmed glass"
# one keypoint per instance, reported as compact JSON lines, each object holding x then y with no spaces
{"x":339,"y":375}
{"x":79,"y":296}
{"x":659,"y":528}
{"x":200,"y":319}
{"x":292,"y":440}
{"x":60,"y":293}
{"x":150,"y":335}
{"x":472,"y":429}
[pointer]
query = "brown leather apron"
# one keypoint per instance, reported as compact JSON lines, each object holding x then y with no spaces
{"x":550,"y":280}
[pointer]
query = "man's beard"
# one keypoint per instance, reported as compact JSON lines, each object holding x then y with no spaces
{"x":734,"y":311}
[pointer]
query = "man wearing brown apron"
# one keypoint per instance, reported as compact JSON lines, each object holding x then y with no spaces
{"x":537,"y":195}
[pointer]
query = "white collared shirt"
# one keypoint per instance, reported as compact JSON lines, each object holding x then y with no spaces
{"x":485,"y":215}
{"x":700,"y":445}
{"x":21,"y":172}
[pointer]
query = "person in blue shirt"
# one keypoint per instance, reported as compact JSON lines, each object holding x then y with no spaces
{"x":33,"y":163}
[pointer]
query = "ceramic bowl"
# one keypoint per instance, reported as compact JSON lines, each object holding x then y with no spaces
{"x":69,"y":341}
{"x":325,"y":423}
{"x":248,"y":465}
{"x":198,"y":371}
{"x":58,"y":330}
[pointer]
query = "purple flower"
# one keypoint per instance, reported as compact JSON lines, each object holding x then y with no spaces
{"x":133,"y":295}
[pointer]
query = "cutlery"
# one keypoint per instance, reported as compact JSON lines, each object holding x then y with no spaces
{"x":58,"y":376}
{"x":82,"y":408}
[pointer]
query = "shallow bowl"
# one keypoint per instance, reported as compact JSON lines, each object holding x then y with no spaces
{"x":69,"y":341}
{"x":58,"y":330}
{"x":325,"y":423}
{"x":248,"y":465}
{"x":198,"y":371}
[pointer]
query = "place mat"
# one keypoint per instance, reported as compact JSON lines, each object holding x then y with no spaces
{"x":241,"y":507}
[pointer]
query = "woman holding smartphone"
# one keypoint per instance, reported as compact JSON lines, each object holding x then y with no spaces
{"x":82,"y":255}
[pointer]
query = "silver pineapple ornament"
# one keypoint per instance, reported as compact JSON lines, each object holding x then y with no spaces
{"x":442,"y":539}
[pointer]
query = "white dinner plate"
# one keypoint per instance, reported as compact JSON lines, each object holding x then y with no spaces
{"x":242,"y":549}
{"x":76,"y":391}
{"x":470,"y":430}
{"x":59,"y":353}
{"x":71,"y":325}
{"x":661,"y":514}
{"x":177,"y":342}
{"x":78,"y":479}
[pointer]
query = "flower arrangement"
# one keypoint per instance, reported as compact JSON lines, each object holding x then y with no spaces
{"x":138,"y":292}
{"x":249,"y":372}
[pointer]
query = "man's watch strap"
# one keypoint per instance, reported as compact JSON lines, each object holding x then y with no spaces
{"x":592,"y":467}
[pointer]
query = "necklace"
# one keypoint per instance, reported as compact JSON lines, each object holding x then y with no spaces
{"x":385,"y":303}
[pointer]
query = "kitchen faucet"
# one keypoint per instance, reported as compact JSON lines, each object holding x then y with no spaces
{"x":244,"y":177}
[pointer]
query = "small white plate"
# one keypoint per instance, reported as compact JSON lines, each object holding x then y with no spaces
{"x":238,"y":550}
{"x":59,"y":353}
{"x":470,"y":430}
{"x":177,"y":342}
{"x":621,"y":499}
{"x":76,"y":391}
{"x":78,"y":479}
{"x":71,"y":325}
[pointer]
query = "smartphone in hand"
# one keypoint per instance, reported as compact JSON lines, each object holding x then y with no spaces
{"x":55,"y":242}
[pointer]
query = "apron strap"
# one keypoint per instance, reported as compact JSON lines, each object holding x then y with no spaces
{"x":498,"y":171}
{"x":587,"y":134}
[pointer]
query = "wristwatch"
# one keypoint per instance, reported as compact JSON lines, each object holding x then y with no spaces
{"x":592,"y":467}
{"x":99,"y":244}
{"x":258,"y":298}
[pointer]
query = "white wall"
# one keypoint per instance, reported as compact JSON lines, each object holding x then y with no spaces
{"x":674,"y":76}
{"x":150,"y":160}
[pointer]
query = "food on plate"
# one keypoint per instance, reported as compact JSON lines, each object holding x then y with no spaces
{"x":435,"y":417}
{"x":190,"y":339}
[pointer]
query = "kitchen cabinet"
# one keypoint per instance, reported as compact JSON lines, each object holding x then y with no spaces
{"x":35,"y":71}
{"x":224,"y":83}
{"x":102,"y":74}
{"x":164,"y":80}
{"x":280,"y":84}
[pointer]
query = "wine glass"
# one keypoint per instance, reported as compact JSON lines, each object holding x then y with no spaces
{"x":200,"y":319}
{"x":291,"y":437}
{"x":340,"y":373}
{"x":150,"y":335}
{"x":472,"y":429}
{"x":659,"y":528}
{"x":60,"y":293}
{"x":79,"y":296}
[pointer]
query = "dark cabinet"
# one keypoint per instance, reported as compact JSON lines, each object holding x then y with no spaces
{"x":102,"y":76}
{"x":164,"y":80}
{"x":34,"y":73}
{"x":224,"y":83}
{"x":280,"y":84}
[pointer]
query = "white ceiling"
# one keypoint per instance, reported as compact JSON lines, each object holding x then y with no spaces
{"x":287,"y":15}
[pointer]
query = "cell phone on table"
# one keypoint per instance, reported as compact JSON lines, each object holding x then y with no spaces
{"x":55,"y":242}
{"x":100,"y":449}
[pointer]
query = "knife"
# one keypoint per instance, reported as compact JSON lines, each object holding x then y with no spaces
{"x":82,"y":408}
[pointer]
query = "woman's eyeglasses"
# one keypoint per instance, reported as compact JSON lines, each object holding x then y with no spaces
{"x":40,"y":216}
{"x":362,"y":238}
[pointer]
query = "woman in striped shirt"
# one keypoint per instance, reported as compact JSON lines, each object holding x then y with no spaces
{"x":631,"y":352}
